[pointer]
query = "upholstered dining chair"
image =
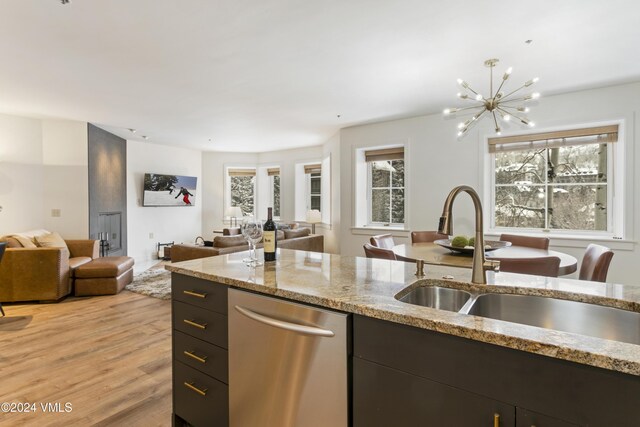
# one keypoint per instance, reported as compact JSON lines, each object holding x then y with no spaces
{"x":375,"y":252}
{"x":595,"y":263}
{"x":384,"y":241}
{"x":543,"y":266}
{"x":528,"y":241}
{"x":3,"y":245}
{"x":426,"y":236}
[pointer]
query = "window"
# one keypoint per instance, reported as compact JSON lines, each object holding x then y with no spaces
{"x":314,"y":186}
{"x":385,"y":186}
{"x":556,"y":181}
{"x":242,"y":189}
{"x":274,"y":190}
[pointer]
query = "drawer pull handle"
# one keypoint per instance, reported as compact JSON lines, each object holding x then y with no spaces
{"x":192,"y":355}
{"x":196,"y":389}
{"x":195,"y":294}
{"x":496,"y":420}
{"x":195,"y":324}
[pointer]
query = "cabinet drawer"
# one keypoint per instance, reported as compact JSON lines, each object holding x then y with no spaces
{"x":200,"y":323}
{"x":199,"y":399}
{"x":199,"y":292}
{"x":205,"y":357}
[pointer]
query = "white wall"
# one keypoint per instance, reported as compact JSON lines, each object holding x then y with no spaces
{"x":146,"y":226}
{"x":436,"y":162}
{"x":43,"y":166}
{"x":66,"y":177}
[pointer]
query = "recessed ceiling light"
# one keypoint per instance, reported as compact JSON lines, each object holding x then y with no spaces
{"x":65,"y":1}
{"x":528,"y":41}
{"x":145,"y":137}
{"x":132,"y":130}
{"x":338,"y":116}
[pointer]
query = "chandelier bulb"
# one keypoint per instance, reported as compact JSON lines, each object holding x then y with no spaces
{"x":507,"y":73}
{"x":535,"y":95}
{"x":446,"y":111}
{"x":478,"y":97}
{"x":460,"y":125}
{"x":531,"y":124}
{"x":463,"y":83}
{"x":532,"y":81}
{"x":506,"y":117}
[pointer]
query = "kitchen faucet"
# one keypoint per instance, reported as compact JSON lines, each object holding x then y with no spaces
{"x":480,"y":264}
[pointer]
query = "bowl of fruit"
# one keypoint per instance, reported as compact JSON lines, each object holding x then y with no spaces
{"x":465,"y":245}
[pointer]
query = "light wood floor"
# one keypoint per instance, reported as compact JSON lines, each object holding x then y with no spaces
{"x":109,"y":356}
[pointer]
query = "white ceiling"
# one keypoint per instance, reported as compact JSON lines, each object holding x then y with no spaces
{"x":265,"y":75}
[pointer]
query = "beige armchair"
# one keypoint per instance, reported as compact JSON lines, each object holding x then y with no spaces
{"x":42,"y":274}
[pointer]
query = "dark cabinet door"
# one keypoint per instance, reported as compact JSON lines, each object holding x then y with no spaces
{"x":385,"y":396}
{"x":525,"y":418}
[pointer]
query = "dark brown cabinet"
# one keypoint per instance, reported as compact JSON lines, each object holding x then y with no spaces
{"x":526,"y":418}
{"x":407,"y":376}
{"x":200,"y":357}
{"x":384,"y":396}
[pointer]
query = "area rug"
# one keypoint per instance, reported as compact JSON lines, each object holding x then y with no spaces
{"x":153,"y":282}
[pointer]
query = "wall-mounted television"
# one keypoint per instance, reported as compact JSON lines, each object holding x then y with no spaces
{"x":169,"y":190}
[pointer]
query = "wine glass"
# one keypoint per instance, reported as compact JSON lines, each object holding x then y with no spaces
{"x":252,"y":231}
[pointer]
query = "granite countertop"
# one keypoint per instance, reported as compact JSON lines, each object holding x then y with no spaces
{"x":368,"y":287}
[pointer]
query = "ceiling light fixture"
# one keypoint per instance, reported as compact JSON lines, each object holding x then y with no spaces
{"x":496,"y":104}
{"x":133,"y":130}
{"x":65,"y":1}
{"x":145,"y":137}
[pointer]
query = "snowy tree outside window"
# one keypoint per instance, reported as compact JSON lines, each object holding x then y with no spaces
{"x":242,"y":193}
{"x":386,"y":192}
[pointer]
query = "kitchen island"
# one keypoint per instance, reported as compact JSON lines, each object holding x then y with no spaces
{"x":416,"y":365}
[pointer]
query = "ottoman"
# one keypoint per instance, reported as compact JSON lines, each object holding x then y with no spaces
{"x":103,"y":276}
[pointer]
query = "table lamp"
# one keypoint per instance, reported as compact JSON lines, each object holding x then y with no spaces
{"x":313,"y":217}
{"x":234,"y":212}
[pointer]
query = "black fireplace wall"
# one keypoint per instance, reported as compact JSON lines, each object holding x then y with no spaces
{"x":108,"y":188}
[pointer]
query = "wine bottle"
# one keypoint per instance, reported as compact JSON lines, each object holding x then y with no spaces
{"x":269,"y":237}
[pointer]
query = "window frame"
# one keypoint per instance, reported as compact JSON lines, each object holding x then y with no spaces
{"x":370,"y":188}
{"x":615,"y":190}
{"x":228,"y":196}
{"x":309,"y":193}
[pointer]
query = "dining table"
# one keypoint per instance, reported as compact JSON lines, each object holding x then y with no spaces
{"x":431,"y":253}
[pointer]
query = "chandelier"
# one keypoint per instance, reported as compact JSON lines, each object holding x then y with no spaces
{"x":507,"y":107}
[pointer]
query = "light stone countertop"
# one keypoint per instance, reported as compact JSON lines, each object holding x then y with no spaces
{"x":368,"y":287}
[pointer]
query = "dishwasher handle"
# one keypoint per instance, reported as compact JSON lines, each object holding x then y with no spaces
{"x":301,"y":329}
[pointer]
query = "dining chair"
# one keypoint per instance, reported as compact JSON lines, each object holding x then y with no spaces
{"x":3,"y":245}
{"x":542,"y":266}
{"x":375,"y":252}
{"x":527,"y":241}
{"x":426,"y":236}
{"x":384,"y":241}
{"x":595,"y":263}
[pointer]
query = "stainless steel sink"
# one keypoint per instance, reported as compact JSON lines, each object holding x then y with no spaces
{"x":437,"y":297}
{"x":561,"y":315}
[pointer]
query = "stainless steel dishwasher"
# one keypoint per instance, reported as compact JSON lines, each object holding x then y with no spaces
{"x":287,"y":363}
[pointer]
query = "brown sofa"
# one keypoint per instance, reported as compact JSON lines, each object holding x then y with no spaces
{"x":288,"y":239}
{"x":41,"y":273}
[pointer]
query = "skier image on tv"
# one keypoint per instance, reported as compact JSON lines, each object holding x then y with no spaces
{"x":184,"y":192}
{"x":169,"y":190}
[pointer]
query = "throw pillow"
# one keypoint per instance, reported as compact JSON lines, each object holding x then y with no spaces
{"x":12,"y":242}
{"x":25,"y":242}
{"x":51,"y":240}
{"x":228,"y":241}
{"x":292,"y":234}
